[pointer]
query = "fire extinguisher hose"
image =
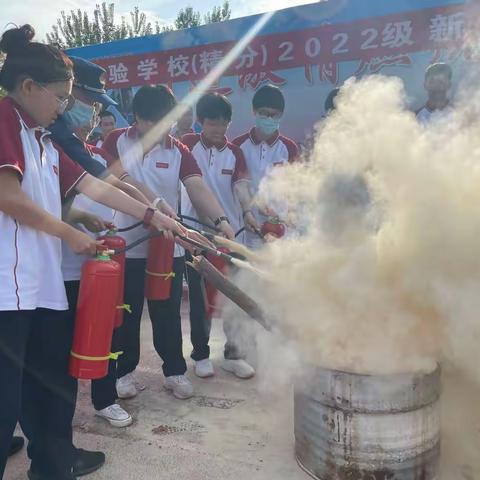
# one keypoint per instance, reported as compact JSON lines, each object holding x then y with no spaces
{"x":203,"y":248}
{"x":255,"y":230}
{"x":111,"y":226}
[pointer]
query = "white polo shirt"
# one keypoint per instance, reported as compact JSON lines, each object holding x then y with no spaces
{"x":71,"y":262}
{"x":30,"y":260}
{"x":261,"y":157}
{"x":425,"y":115}
{"x":221,"y":167}
{"x":160,"y":169}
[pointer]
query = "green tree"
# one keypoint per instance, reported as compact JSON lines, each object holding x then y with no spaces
{"x":77,"y":28}
{"x":187,"y":18}
{"x":219,"y":14}
{"x":2,"y":59}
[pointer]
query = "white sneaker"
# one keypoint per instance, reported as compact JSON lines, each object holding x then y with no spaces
{"x":126,"y":386}
{"x":115,"y":415}
{"x":240,"y":368}
{"x":180,"y":386}
{"x":204,"y":368}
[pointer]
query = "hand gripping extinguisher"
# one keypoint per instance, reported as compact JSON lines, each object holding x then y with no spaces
{"x":114,"y":242}
{"x":96,"y":310}
{"x":211,"y":293}
{"x":159,"y":274}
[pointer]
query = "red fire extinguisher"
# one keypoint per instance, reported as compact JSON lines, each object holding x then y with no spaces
{"x":211,"y":293}
{"x":159,"y":274}
{"x":96,"y":309}
{"x":115,"y":242}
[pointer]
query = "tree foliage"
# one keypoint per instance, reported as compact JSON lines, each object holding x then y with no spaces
{"x":219,"y":14}
{"x":77,"y":28}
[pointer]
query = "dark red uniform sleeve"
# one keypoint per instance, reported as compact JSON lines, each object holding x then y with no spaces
{"x":11,"y":149}
{"x":70,"y":173}
{"x":189,"y":166}
{"x":241,"y":139}
{"x":110,"y":143}
{"x":109,"y":159}
{"x":292,"y":148}
{"x":241,"y":171}
{"x":190,"y":140}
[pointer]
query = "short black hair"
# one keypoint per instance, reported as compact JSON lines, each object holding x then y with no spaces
{"x":214,"y":107}
{"x":329,"y":104}
{"x":153,"y":102}
{"x":27,"y":59}
{"x":439,"y":68}
{"x":106,"y":113}
{"x":269,"y":96}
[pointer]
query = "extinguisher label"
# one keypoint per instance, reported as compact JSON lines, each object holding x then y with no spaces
{"x":162,"y":165}
{"x":226,"y":171}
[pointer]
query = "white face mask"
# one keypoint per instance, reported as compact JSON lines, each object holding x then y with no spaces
{"x":267,"y":125}
{"x":81,"y":115}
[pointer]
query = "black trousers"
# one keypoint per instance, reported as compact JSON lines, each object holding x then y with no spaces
{"x":103,"y":391}
{"x":165,"y":318}
{"x":37,"y":389}
{"x":200,"y":321}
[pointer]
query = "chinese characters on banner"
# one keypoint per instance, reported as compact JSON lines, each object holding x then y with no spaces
{"x":373,"y":43}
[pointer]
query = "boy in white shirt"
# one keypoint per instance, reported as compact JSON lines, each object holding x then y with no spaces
{"x":225,"y":172}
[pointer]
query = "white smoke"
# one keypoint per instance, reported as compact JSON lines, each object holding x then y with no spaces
{"x":383,"y":272}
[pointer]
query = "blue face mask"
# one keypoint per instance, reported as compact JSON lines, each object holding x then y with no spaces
{"x":80,"y":115}
{"x":267,"y":125}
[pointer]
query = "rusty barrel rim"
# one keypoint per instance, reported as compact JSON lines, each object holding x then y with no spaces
{"x":366,"y":393}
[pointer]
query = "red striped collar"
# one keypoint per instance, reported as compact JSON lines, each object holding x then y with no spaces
{"x":207,"y":144}
{"x":26,"y":118}
{"x":270,"y":140}
{"x":167,"y":143}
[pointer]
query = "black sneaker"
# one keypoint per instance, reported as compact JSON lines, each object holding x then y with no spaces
{"x":16,"y":445}
{"x":87,"y":462}
{"x":37,"y":476}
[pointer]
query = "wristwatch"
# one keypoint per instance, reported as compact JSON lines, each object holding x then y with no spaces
{"x":221,"y":219}
{"x":157,"y":201}
{"x":147,"y":219}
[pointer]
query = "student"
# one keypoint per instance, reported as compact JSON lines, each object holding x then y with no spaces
{"x":35,"y":338}
{"x":90,"y":216}
{"x":88,"y":94}
{"x":225,"y":173}
{"x":438,"y":82}
{"x":263,"y":146}
{"x":183,"y":125}
{"x":160,"y":168}
{"x":329,"y":105}
{"x":107,"y":124}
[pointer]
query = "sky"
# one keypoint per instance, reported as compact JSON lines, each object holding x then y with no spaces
{"x":43,"y":14}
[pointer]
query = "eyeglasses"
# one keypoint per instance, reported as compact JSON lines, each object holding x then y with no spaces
{"x":62,"y":104}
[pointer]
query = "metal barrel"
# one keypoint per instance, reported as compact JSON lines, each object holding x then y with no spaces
{"x":368,"y":427}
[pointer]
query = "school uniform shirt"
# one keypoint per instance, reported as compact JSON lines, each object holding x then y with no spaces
{"x":221,"y":167}
{"x":71,"y":262}
{"x":425,"y":115}
{"x":176,"y":134}
{"x":30,"y":260}
{"x":261,"y":157}
{"x":160,"y":169}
